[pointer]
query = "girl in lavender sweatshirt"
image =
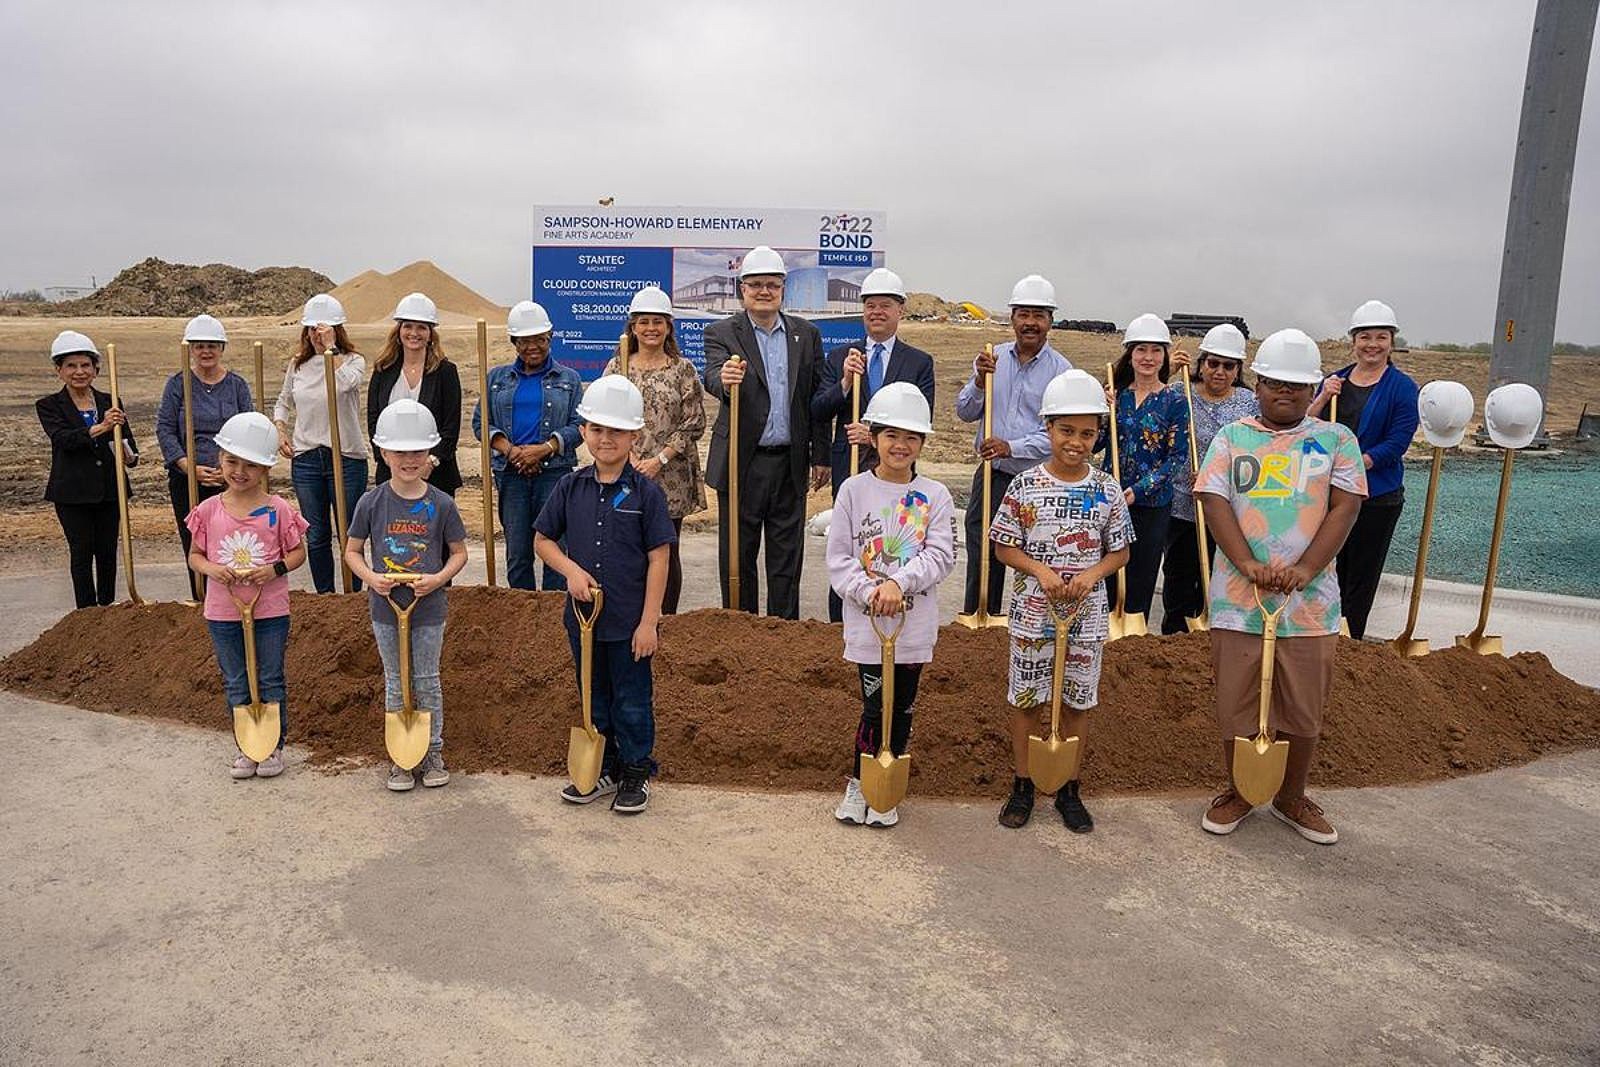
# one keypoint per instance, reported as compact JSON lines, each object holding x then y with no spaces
{"x":891,"y":543}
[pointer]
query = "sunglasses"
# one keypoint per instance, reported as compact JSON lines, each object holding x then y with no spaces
{"x":1275,"y":386}
{"x":1219,"y":364}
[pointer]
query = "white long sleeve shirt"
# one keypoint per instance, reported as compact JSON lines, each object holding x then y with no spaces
{"x":304,"y":397}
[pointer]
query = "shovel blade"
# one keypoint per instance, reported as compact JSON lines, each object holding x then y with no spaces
{"x":1482,"y":644}
{"x":1344,"y":626}
{"x":585,"y":751}
{"x":1133,"y":625}
{"x":406,"y":735}
{"x":256,"y":729}
{"x":1053,"y":762}
{"x":884,"y":780}
{"x":1411,"y":646}
{"x":1116,"y":626}
{"x":1198,"y":624}
{"x":976,"y":621}
{"x":1258,"y":768}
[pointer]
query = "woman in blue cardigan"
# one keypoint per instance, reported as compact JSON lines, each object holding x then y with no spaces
{"x":1378,"y":401}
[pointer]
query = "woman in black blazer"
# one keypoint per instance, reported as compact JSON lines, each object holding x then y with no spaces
{"x":413,"y":365}
{"x":79,"y":420}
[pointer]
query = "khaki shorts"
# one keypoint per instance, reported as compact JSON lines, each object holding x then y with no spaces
{"x":1032,"y":664}
{"x":1302,"y":677}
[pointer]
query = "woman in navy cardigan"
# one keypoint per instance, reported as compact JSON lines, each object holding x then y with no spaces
{"x":1378,"y":401}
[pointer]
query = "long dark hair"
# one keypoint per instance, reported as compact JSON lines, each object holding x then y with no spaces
{"x":341,"y":343}
{"x":669,"y":346}
{"x":393,"y":350}
{"x":1122,"y":373}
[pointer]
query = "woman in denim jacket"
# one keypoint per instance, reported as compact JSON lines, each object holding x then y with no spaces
{"x":533,"y":432}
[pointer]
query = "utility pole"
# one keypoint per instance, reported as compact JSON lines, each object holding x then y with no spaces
{"x":1541,"y":185}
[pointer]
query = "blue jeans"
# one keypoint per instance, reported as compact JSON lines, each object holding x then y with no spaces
{"x":521,"y":500}
{"x":312,"y":475}
{"x":427,"y":643}
{"x":272,"y":641}
{"x":623,"y":702}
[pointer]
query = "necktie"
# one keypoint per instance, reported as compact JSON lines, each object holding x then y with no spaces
{"x":875,"y":369}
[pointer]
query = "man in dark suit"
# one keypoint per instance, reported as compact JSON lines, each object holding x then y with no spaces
{"x":876,"y":361}
{"x":783,"y":449}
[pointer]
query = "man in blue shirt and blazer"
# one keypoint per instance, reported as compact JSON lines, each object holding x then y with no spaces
{"x":876,"y":361}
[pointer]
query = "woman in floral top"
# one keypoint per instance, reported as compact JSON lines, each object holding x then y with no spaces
{"x":1152,"y":427}
{"x":674,"y":418}
{"x":1219,"y":398}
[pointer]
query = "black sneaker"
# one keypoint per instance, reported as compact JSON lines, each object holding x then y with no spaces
{"x":633,"y":792}
{"x":605,"y":787}
{"x":1019,"y":805}
{"x":1073,"y":813}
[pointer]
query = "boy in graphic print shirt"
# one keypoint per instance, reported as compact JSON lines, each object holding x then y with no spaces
{"x":1280,"y":493}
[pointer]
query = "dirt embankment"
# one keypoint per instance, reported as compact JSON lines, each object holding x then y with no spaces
{"x":742,"y":701}
{"x":154,"y":287}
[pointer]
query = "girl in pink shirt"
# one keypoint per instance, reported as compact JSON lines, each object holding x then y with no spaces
{"x":245,"y":542}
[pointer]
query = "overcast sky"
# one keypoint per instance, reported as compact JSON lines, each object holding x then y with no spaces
{"x":1284,"y":161}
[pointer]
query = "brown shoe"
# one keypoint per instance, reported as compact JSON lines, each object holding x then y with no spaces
{"x":1225,"y":814}
{"x":1308,"y":821}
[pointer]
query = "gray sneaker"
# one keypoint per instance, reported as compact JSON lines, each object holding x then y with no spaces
{"x":400,"y":779}
{"x":433,"y":772}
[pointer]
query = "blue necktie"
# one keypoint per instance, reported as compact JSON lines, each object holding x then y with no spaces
{"x":875,"y":369}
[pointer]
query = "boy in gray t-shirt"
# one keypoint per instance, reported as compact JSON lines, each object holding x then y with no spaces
{"x":413,"y":528}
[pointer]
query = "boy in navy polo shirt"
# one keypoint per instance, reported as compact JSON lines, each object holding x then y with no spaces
{"x":618,"y":537}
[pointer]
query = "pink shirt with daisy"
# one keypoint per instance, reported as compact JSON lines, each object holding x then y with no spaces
{"x":259,"y":539}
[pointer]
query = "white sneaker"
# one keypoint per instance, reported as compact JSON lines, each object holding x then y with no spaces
{"x":853,"y":808}
{"x":883,"y":818}
{"x":270,"y":767}
{"x":243,"y":767}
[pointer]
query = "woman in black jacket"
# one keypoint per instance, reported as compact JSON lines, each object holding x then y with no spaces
{"x":413,"y":366}
{"x":80,"y":422}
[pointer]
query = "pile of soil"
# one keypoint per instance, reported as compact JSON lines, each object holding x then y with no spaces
{"x":765,"y":703}
{"x":928,"y":306}
{"x":371,"y":295}
{"x":158,"y":288}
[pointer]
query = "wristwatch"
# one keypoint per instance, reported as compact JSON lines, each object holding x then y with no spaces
{"x":662,"y":457}
{"x":280,"y":568}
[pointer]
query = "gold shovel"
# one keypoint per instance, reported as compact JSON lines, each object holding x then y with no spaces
{"x":732,"y":518}
{"x":340,"y":519}
{"x":1333,"y":416}
{"x":855,"y":416}
{"x":981,"y":618}
{"x":1120,"y":623}
{"x":586,"y":746}
{"x":1405,"y":644}
{"x":255,"y":725}
{"x":1259,"y":763}
{"x":483,"y":452}
{"x":1053,"y":762}
{"x":1203,"y":620}
{"x":406,"y":731}
{"x":885,"y":777}
{"x":124,"y":517}
{"x":186,"y":375}
{"x":1480,"y":642}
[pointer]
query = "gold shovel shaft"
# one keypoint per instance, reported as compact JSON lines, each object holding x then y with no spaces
{"x":980,"y":617}
{"x":124,"y":520}
{"x":1203,"y":620}
{"x":1405,"y":644}
{"x":855,"y":416}
{"x":732,"y":518}
{"x":485,"y":464}
{"x":341,"y":534}
{"x":1479,"y":640}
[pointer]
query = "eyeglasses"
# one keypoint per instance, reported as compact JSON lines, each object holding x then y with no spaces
{"x":1220,"y":364}
{"x":537,"y":341}
{"x":764,"y":287}
{"x":1274,"y":385}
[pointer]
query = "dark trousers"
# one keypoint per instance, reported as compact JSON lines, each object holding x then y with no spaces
{"x":669,"y":600}
{"x":91,"y":531}
{"x":622,"y":704}
{"x":1144,"y":557}
{"x":178,"y":490}
{"x":519,"y":499}
{"x":977,"y":544}
{"x":773,"y":507}
{"x":869,"y":734}
{"x":312,"y":476}
{"x":1181,"y":596}
{"x":1360,"y":561}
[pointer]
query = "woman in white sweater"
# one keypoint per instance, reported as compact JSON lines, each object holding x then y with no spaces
{"x":304,"y":399}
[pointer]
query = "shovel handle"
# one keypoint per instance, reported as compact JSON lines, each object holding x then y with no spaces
{"x":586,"y":655}
{"x":247,"y":623}
{"x":587,"y":619}
{"x":1269,"y":643}
{"x":732,"y":518}
{"x":855,"y":416}
{"x":886,"y":638}
{"x":1065,"y":613}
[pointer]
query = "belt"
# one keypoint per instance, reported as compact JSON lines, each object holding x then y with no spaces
{"x":773,"y":450}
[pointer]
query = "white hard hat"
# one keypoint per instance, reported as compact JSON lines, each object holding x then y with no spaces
{"x":883,"y":282}
{"x":1373,"y":315}
{"x":1147,"y":329}
{"x":901,"y":405}
{"x":1445,"y":407}
{"x":1513,"y":413}
{"x":251,"y":436}
{"x":323,"y":310}
{"x":1225,"y":340}
{"x":651,"y":300}
{"x":1034,"y":291}
{"x":204,"y":328}
{"x":1074,"y":392}
{"x":613,"y":401}
{"x":527,"y":319}
{"x":406,"y":426}
{"x":1288,"y":356}
{"x":72,"y":343}
{"x":762,"y":260}
{"x":415,"y":307}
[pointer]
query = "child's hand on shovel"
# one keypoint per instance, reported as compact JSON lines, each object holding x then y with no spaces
{"x":1052,"y":585}
{"x":381,"y":584}
{"x":581,"y":585}
{"x":1079,"y":586}
{"x":426,"y":584}
{"x":887,"y":598}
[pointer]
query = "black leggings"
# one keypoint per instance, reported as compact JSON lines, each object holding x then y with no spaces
{"x":178,"y":490}
{"x":91,"y":531}
{"x":869,"y":734}
{"x":669,"y":601}
{"x":1181,"y":597}
{"x":1144,"y":558}
{"x":1360,"y":562}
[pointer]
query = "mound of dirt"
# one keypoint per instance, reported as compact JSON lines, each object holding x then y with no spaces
{"x":757,"y":702}
{"x":371,"y":296}
{"x":157,"y":288}
{"x":927,"y":306}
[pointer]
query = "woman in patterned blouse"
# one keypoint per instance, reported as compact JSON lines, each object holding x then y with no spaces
{"x":1152,"y":427}
{"x":674,"y":418}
